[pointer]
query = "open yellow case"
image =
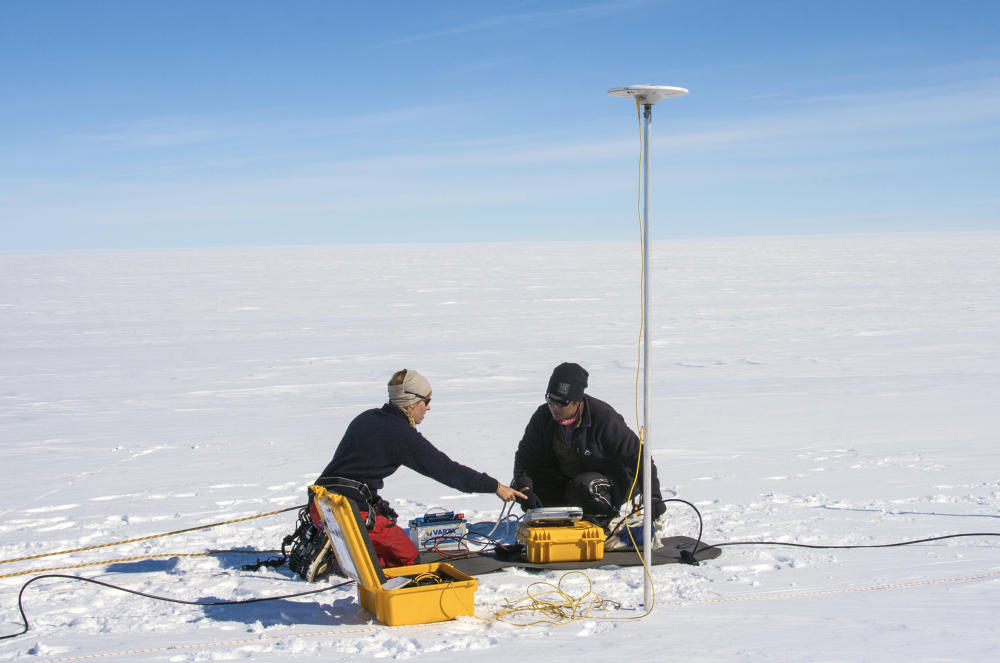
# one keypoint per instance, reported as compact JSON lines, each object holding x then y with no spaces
{"x":393,"y":595}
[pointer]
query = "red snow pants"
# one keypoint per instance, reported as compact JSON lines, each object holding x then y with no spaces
{"x":391,"y":543}
{"x":392,"y":546}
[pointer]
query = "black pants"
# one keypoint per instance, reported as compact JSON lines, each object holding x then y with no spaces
{"x":590,"y":491}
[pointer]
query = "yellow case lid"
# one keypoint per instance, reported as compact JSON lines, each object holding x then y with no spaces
{"x":351,"y":544}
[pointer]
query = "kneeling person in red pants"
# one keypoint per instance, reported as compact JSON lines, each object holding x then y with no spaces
{"x":374,"y":446}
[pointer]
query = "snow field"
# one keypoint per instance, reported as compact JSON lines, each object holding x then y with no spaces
{"x":836,"y":390}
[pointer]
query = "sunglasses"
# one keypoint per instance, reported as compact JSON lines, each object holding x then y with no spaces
{"x":425,"y":399}
{"x":561,"y":402}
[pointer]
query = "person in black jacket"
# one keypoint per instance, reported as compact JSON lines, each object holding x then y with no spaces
{"x":578,"y":451}
{"x":374,"y":446}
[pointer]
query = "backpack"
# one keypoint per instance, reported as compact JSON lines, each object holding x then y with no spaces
{"x":310,"y":556}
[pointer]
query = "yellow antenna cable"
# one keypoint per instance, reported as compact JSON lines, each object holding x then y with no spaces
{"x":642,"y":276}
{"x":553,"y":602}
{"x":638,"y":364}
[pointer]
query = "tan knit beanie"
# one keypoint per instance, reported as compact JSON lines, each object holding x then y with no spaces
{"x":414,"y":387}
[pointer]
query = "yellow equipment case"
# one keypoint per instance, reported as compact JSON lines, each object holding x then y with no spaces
{"x":578,"y":541}
{"x":396,"y":596}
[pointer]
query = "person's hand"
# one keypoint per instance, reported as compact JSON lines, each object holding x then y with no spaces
{"x":530,"y":501}
{"x":508,"y":494}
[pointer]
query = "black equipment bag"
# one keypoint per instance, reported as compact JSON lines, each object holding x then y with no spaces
{"x":310,"y":556}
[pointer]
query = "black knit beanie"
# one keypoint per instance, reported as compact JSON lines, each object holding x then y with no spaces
{"x":568,"y":381}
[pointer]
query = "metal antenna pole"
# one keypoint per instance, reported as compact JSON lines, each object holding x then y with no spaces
{"x":647,"y":95}
{"x":647,"y":387}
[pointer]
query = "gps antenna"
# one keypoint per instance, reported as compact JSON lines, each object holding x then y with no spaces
{"x":646,"y":96}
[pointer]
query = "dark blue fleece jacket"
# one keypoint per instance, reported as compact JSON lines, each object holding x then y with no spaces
{"x":378,"y":441}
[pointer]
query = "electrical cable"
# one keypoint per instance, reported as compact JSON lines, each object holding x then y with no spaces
{"x":505,"y":514}
{"x":428,"y":578}
{"x":27,"y":626}
{"x":686,"y":555}
{"x":564,"y":608}
{"x":850,"y":547}
{"x":461,"y":552}
{"x":641,"y":429}
{"x":642,"y":272}
{"x":689,"y":555}
{"x":485,"y":541}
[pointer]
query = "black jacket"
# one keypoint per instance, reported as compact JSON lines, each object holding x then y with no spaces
{"x":378,"y":441}
{"x":603,"y":443}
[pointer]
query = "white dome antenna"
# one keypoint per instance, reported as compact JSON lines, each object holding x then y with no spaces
{"x":646,"y":96}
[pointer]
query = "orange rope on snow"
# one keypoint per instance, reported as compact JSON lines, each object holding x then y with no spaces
{"x":137,"y":558}
{"x":147,"y":538}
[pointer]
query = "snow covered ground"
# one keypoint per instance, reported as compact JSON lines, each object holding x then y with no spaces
{"x":822,"y":390}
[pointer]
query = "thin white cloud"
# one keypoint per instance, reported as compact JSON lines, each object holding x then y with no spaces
{"x":848,"y":134}
{"x":527,"y":19}
{"x":971,"y":107}
{"x":158,"y":132}
{"x":168,"y":131}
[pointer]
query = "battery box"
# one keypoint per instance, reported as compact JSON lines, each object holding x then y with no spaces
{"x":576,"y":541}
{"x":441,"y":531}
{"x":399,"y":596}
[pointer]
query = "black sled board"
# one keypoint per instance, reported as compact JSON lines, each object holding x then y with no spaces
{"x":480,"y":563}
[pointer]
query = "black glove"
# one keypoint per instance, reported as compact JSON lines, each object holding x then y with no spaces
{"x":659,"y":508}
{"x":532,"y":501}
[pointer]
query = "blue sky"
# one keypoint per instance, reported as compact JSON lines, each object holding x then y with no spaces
{"x":174,"y":124}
